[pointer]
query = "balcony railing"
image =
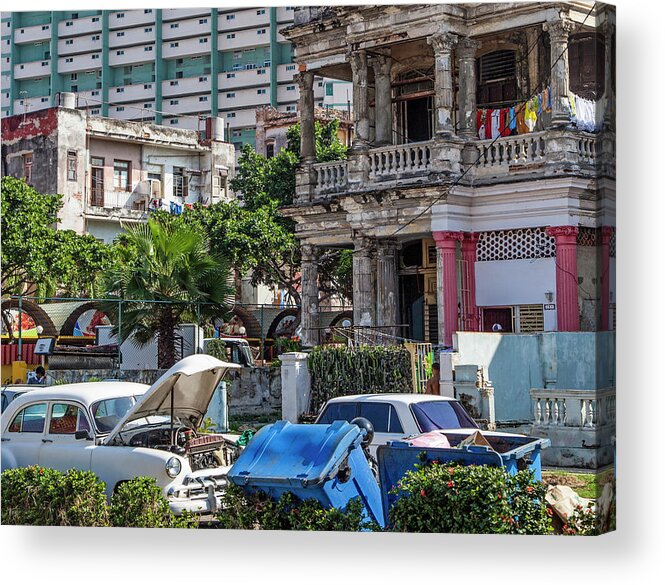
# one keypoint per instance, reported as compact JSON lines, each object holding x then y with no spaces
{"x":512,"y":150}
{"x":582,"y":409}
{"x":125,"y":200}
{"x":331,"y":177}
{"x":389,"y":162}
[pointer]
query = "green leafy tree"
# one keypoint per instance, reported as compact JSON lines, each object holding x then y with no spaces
{"x":37,"y":258}
{"x":170,"y":275}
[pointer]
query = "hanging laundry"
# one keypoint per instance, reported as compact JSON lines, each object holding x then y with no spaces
{"x":586,"y":114}
{"x":549,"y":98}
{"x":540,"y":104}
{"x":496,"y":118}
{"x":530,"y":115}
{"x":512,"y":122}
{"x":488,"y":124}
{"x":480,"y":123}
{"x":504,"y":121}
{"x":522,"y":128}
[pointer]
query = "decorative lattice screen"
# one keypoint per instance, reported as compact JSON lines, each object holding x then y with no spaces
{"x":531,"y":318}
{"x":587,"y":236}
{"x":515,"y":245}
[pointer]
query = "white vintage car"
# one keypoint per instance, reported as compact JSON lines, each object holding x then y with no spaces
{"x":121,"y":430}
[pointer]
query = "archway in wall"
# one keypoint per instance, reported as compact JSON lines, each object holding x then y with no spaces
{"x":32,"y":316}
{"x":285,"y":324}
{"x":83,"y":321}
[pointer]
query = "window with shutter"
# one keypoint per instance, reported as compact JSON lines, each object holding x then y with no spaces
{"x":497,"y":79}
{"x":586,"y":62}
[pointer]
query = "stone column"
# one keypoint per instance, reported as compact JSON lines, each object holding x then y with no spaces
{"x":358,"y":61}
{"x":606,"y":235}
{"x":382,"y":99}
{"x":305,"y":81}
{"x":364,"y":300}
{"x":466,"y":58}
{"x":309,"y":315}
{"x":567,"y":304}
{"x":443,"y":44}
{"x":387,"y":310}
{"x":471,"y":316}
{"x":559,"y":31}
{"x":447,"y":243}
{"x":608,"y":33}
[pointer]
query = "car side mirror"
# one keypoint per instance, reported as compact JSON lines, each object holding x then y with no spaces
{"x":78,"y":435}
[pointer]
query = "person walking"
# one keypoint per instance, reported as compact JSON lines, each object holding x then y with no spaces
{"x":433,"y":383}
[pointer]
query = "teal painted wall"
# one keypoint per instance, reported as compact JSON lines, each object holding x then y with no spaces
{"x":34,"y":87}
{"x":518,"y":362}
{"x":257,"y":56}
{"x":32,"y":52}
{"x":25,"y":19}
{"x":188,"y":66}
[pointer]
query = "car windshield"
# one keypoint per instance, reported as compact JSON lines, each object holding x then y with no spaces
{"x":107,"y":413}
{"x":441,"y":414}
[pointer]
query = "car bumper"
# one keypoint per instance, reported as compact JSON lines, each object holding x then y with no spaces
{"x":197,"y":494}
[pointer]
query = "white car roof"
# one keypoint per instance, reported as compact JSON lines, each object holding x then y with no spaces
{"x":85,"y":392}
{"x":404,"y":398}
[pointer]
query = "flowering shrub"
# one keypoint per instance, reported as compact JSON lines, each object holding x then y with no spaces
{"x":258,"y":511}
{"x":474,"y":499}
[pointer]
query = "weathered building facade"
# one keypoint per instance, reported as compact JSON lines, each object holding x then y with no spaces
{"x":479,"y":191}
{"x":112,"y":171}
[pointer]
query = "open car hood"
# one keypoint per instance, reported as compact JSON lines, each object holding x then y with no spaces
{"x":188,"y":386}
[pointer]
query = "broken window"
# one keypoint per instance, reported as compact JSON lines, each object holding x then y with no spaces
{"x":180,"y":182}
{"x":586,"y":62}
{"x":413,"y":94}
{"x":71,"y":165}
{"x":497,"y":79}
{"x":121,"y":175}
{"x":27,"y":168}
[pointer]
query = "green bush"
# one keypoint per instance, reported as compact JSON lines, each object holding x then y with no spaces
{"x":474,"y":499}
{"x":284,"y":345}
{"x":259,"y":512}
{"x":44,"y":497}
{"x":140,"y":503}
{"x":340,"y":371}
{"x":217,"y":349}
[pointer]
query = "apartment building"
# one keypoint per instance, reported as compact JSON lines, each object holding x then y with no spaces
{"x":173,"y":66}
{"x":114,"y":172}
{"x":479,"y":192}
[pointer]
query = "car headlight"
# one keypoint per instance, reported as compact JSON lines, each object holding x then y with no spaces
{"x":173,"y":467}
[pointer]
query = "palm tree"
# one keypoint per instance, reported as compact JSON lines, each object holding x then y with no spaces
{"x":169,"y":277}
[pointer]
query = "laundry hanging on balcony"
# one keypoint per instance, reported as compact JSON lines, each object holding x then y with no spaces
{"x":586,"y":114}
{"x":519,"y":119}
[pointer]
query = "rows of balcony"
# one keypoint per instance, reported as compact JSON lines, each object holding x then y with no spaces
{"x":508,"y":156}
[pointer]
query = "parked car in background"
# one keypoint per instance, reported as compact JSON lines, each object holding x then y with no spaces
{"x":238,"y":350}
{"x":12,"y":391}
{"x":397,"y":416}
{"x":122,"y":430}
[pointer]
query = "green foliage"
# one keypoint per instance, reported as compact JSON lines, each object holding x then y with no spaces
{"x":140,"y":503}
{"x":474,"y":499}
{"x":284,"y":345}
{"x":44,"y":497}
{"x":217,"y":349}
{"x":258,"y":511}
{"x":340,"y":371}
{"x":34,"y":252}
{"x":171,"y":276}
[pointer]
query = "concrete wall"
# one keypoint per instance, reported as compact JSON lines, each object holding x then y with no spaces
{"x":517,"y":282}
{"x":255,"y":391}
{"x":518,"y":362}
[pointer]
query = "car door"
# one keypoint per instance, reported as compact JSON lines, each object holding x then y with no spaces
{"x":22,"y":440}
{"x":60,"y":448}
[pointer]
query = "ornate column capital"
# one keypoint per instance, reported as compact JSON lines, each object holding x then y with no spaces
{"x":387,"y":246}
{"x":309,"y":252}
{"x":447,"y":239}
{"x":358,"y":61}
{"x":467,"y":47}
{"x":364,"y":246}
{"x":380,"y":63}
{"x":606,"y":233}
{"x":442,"y":42}
{"x":562,"y":231}
{"x":305,"y":80}
{"x":559,"y":29}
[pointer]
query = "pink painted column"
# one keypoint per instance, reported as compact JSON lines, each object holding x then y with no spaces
{"x":606,"y":236}
{"x":447,"y":244}
{"x":568,"y":312}
{"x":471,"y":317}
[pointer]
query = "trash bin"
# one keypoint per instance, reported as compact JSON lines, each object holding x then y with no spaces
{"x":513,"y":452}
{"x":321,"y":462}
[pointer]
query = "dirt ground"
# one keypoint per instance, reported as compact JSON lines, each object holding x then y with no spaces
{"x":587,"y":485}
